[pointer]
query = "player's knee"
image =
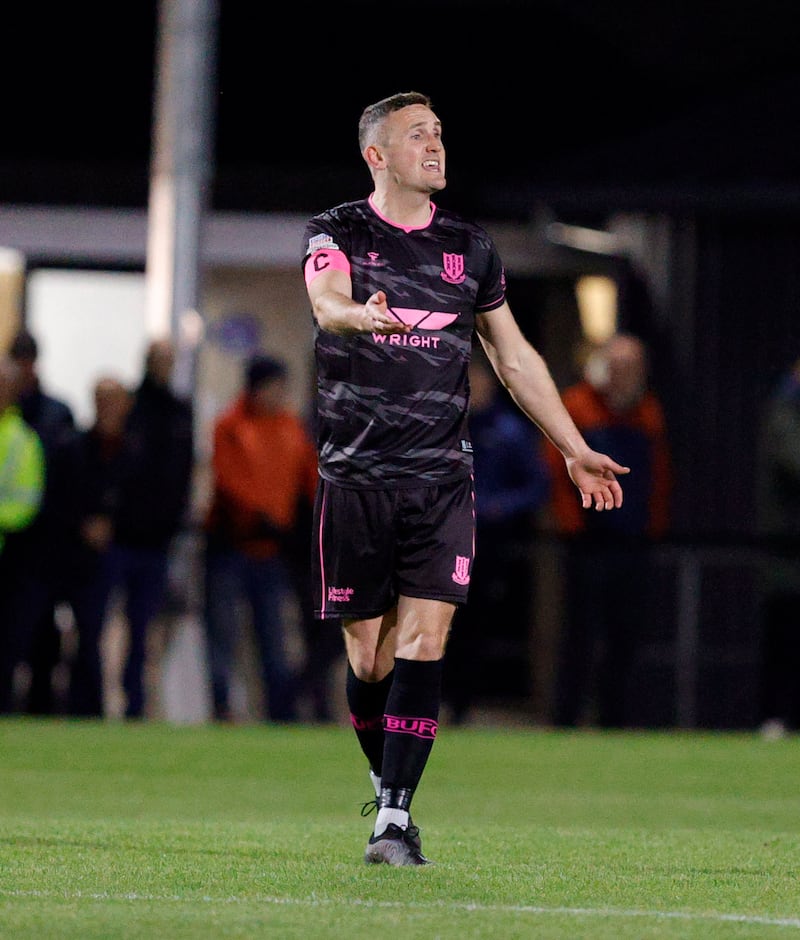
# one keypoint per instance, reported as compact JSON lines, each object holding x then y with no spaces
{"x":364,"y":669}
{"x":425,"y":647}
{"x":369,"y":665}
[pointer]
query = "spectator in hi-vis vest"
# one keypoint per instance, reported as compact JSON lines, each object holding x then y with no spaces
{"x":22,"y":475}
{"x":21,"y":458}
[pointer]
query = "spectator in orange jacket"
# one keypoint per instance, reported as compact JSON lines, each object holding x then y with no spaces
{"x":608,"y":554}
{"x":264,"y":464}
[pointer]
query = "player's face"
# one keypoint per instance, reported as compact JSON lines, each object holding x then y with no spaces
{"x":414,"y":151}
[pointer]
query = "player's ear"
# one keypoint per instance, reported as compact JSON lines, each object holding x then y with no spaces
{"x":373,"y":156}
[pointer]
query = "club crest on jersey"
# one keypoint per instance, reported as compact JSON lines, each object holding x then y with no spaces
{"x":453,"y":268}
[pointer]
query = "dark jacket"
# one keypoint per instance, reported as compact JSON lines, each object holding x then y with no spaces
{"x":96,"y":468}
{"x":50,"y":417}
{"x":159,"y":457}
{"x":778,"y":487}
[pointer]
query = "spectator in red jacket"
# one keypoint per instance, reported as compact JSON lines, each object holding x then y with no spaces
{"x":264,"y":464}
{"x":608,"y":554}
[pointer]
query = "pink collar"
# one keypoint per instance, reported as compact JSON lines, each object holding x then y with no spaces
{"x":405,"y":228}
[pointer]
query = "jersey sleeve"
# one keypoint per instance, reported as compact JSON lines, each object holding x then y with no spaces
{"x":325,"y":245}
{"x":492,"y":287}
{"x":325,"y":259}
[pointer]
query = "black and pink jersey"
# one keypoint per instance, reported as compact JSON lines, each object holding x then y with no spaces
{"x":392,"y":410}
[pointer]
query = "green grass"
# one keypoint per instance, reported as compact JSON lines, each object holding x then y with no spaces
{"x":113,"y":830}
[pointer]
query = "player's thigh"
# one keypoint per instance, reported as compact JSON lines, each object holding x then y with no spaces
{"x":370,"y":645}
{"x":422,"y":627}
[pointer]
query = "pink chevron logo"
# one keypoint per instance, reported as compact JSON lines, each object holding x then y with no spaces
{"x":423,"y":319}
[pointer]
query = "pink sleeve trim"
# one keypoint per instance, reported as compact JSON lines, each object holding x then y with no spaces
{"x":323,"y":260}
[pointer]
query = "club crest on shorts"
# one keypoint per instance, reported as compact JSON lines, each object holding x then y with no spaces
{"x":461,"y":571}
{"x":453,"y":268}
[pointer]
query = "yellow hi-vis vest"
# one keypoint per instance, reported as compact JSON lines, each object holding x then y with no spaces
{"x":22,"y":473}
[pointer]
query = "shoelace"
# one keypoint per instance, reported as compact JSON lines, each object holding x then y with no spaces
{"x":410,"y":833}
{"x":369,"y":806}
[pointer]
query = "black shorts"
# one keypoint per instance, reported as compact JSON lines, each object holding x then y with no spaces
{"x":370,"y":546}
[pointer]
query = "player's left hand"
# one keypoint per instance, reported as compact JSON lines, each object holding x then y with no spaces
{"x":595,"y":475}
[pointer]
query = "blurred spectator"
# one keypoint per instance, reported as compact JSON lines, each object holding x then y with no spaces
{"x":778,"y":500}
{"x":263,"y":463}
{"x":608,"y":555}
{"x":22,"y":481}
{"x":490,"y":632}
{"x":98,"y":463}
{"x":40,"y":551}
{"x":323,"y":639}
{"x":154,"y":497}
{"x":21,"y":458}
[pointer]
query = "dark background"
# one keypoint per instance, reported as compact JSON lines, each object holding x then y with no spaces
{"x":681,"y":111}
{"x":588,"y":104}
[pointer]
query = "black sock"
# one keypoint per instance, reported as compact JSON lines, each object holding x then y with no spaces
{"x":410,"y":725}
{"x":367,"y":703}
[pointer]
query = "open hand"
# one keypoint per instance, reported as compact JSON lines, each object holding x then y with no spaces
{"x":595,"y":475}
{"x":379,"y":318}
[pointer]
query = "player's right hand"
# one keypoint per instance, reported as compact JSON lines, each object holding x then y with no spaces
{"x":379,"y":319}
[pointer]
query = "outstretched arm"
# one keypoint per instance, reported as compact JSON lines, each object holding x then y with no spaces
{"x":335,"y":310}
{"x":524,"y":373}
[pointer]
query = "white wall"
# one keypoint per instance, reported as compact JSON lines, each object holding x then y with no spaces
{"x":87,"y":324}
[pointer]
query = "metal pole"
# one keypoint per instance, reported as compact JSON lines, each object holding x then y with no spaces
{"x":181,"y":175}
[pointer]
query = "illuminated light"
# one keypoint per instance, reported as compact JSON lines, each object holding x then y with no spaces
{"x":597,"y":297}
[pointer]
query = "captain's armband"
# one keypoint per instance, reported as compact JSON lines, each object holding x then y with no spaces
{"x":326,"y":259}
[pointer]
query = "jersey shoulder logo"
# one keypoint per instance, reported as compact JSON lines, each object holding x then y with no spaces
{"x":318,"y":242}
{"x":453,"y":268}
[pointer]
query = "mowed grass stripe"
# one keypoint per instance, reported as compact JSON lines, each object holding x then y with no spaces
{"x":605,"y":913}
{"x":121,"y":830}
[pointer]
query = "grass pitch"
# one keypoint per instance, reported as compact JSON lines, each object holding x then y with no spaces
{"x":114,"y":830}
